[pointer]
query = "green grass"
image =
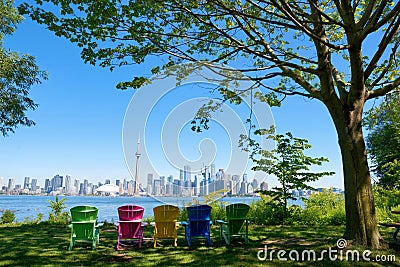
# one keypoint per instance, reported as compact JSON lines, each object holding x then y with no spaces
{"x":47,"y":245}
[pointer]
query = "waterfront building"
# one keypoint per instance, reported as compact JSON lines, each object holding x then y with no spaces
{"x":212,"y":170}
{"x":68,"y":184}
{"x":168,"y":189}
{"x":264,"y":186}
{"x":181,"y":182}
{"x":162,"y":179}
{"x":157,"y":187}
{"x":176,"y":188}
{"x":254,"y":185}
{"x":125,"y":185}
{"x":150,"y":188}
{"x":130,"y":189}
{"x":81,"y":189}
{"x":47,"y":186}
{"x":77,"y":186}
{"x":34,"y":186}
{"x":170,"y":179}
{"x":57,"y":183}
{"x":11,"y":185}
{"x":26,"y":183}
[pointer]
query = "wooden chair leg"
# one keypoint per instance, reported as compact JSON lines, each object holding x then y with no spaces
{"x":395,"y":236}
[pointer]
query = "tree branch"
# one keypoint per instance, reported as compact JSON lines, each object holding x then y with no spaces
{"x":384,"y":90}
{"x":386,"y":39}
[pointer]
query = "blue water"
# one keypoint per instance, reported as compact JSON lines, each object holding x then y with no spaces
{"x":29,"y":206}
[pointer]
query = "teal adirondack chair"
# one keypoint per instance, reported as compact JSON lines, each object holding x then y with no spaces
{"x":84,"y":226}
{"x":236,"y":224}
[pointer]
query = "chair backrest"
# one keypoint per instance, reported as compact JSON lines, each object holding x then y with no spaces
{"x":236,"y":215}
{"x":165,"y":217}
{"x":130,"y":213}
{"x":199,"y":219}
{"x":84,"y":221}
{"x":83,"y":213}
{"x":199,"y":212}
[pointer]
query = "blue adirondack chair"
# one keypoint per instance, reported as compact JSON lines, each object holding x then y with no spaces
{"x":199,"y":224}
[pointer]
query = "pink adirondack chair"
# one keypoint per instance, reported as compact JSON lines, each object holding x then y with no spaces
{"x":130,"y":225}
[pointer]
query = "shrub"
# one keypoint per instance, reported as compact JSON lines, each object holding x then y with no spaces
{"x":385,"y":201}
{"x":33,"y":220}
{"x":324,"y":208}
{"x":268,"y":212}
{"x":8,"y":216}
{"x":56,"y":215}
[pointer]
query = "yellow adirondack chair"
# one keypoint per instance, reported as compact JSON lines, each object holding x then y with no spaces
{"x":166,"y":223}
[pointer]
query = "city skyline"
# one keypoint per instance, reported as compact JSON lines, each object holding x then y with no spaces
{"x":142,"y":180}
{"x":188,"y":183}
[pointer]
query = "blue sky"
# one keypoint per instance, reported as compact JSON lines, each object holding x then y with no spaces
{"x":81,"y":115}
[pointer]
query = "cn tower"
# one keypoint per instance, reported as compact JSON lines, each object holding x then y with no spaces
{"x":136,"y":189}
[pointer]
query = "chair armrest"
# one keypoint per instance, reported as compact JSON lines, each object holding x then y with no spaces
{"x":221,"y":222}
{"x":99,"y":224}
{"x":184,"y":223}
{"x":144,"y":224}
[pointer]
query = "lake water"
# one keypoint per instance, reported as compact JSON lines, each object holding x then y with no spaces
{"x":29,"y":206}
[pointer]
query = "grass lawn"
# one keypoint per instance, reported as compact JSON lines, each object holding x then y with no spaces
{"x":47,"y":245}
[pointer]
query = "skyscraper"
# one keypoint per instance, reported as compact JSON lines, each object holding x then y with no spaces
{"x":34,"y":186}
{"x":150,"y":188}
{"x":56,"y":182}
{"x":68,"y":183}
{"x":11,"y":184}
{"x":188,"y":179}
{"x":212,"y":170}
{"x":26,"y":183}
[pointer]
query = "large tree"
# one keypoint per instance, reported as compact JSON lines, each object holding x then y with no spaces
{"x":18,"y":72}
{"x":341,"y":53}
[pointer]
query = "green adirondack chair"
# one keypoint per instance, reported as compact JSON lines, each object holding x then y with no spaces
{"x":84,"y":226}
{"x":236,"y":224}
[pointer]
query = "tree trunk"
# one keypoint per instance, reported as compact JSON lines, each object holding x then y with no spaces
{"x":361,"y":224}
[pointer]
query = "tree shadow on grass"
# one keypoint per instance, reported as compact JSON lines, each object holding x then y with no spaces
{"x":47,"y":245}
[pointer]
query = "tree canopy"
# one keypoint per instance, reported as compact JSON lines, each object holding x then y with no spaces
{"x":18,"y":72}
{"x":340,"y":52}
{"x":264,"y":39}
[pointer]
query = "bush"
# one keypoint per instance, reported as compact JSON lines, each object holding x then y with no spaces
{"x":56,"y":215}
{"x":33,"y":220}
{"x":8,"y":216}
{"x":267,"y":212}
{"x":324,"y":208}
{"x":385,"y":201}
